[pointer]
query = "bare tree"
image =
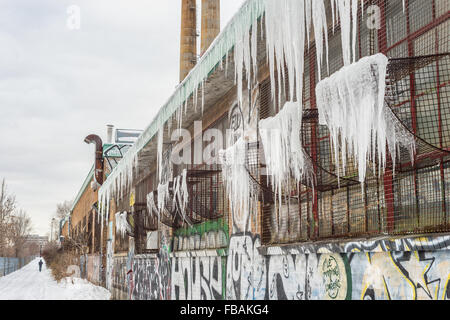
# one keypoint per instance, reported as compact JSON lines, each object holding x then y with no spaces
{"x":20,"y":228}
{"x":63,"y":209}
{"x":7,"y":207}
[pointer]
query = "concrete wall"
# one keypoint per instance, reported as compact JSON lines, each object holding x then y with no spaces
{"x":93,"y":268}
{"x":410,"y":268}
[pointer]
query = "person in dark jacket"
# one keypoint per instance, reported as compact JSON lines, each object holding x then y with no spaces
{"x":40,"y":265}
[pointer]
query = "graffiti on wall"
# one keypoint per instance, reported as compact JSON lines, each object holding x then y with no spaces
{"x":379,"y":245}
{"x":208,"y":235}
{"x":198,"y":278}
{"x":109,"y":263}
{"x":246,"y":269}
{"x":119,"y":280}
{"x":152,"y":275}
{"x":368,"y":270}
{"x":408,"y":275}
{"x":207,"y":240}
{"x":93,"y":268}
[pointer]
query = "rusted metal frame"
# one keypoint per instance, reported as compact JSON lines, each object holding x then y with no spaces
{"x":412,"y":87}
{"x":380,"y":227}
{"x":347,"y":192}
{"x":312,"y":83}
{"x":441,"y":165}
{"x":388,"y":174}
{"x":433,"y":155}
{"x":419,"y":95}
{"x":331,"y":212}
{"x":365,"y":185}
{"x":422,"y":30}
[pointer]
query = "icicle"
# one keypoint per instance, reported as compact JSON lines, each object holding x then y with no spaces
{"x":351,"y":104}
{"x":121,"y":223}
{"x":242,"y":193}
{"x":333,"y":16}
{"x":151,"y":206}
{"x":176,"y":190}
{"x":163,"y":196}
{"x":254,"y":50}
{"x":226,"y":65}
{"x":160,"y":151}
{"x":288,"y":25}
{"x":348,"y":17}
{"x":183,"y":195}
{"x":355,"y":26}
{"x":284,"y":154}
{"x":203,"y":95}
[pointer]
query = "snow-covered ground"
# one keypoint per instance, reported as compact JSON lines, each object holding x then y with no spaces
{"x":30,"y":284}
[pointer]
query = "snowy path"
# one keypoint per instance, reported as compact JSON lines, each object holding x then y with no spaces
{"x":30,"y":284}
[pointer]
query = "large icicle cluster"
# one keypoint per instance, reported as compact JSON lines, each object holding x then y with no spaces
{"x":284,"y":154}
{"x":242,"y":193}
{"x":351,"y":104}
{"x":116,"y":185}
{"x":179,"y":198}
{"x":289,"y":25}
{"x":180,"y":193}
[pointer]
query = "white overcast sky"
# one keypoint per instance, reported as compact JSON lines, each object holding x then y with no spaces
{"x":58,"y":85}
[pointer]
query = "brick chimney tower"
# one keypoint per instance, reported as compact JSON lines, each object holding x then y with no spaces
{"x":210,"y":23}
{"x":188,"y":41}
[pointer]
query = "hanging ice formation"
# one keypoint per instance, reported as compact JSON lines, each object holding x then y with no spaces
{"x":152,"y":209}
{"x":160,"y":151}
{"x":117,"y":184}
{"x":347,"y":11}
{"x":288,"y":24}
{"x":242,"y":192}
{"x":163,"y":196}
{"x":121,"y":223}
{"x":284,"y":154}
{"x":181,"y":194}
{"x":351,"y":104}
{"x":179,"y":198}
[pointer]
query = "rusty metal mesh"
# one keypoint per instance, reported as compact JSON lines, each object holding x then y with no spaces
{"x":412,"y":199}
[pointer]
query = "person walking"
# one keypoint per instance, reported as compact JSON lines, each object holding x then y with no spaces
{"x":40,"y":265}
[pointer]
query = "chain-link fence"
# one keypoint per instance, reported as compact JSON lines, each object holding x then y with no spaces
{"x":9,"y":265}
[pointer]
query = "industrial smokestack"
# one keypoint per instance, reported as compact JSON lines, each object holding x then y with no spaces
{"x":188,"y":41}
{"x":210,"y":23}
{"x":109,"y":133}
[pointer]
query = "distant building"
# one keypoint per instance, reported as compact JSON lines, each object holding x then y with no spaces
{"x":35,"y":238}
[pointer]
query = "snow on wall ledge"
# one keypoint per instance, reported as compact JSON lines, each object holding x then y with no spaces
{"x":351,"y":104}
